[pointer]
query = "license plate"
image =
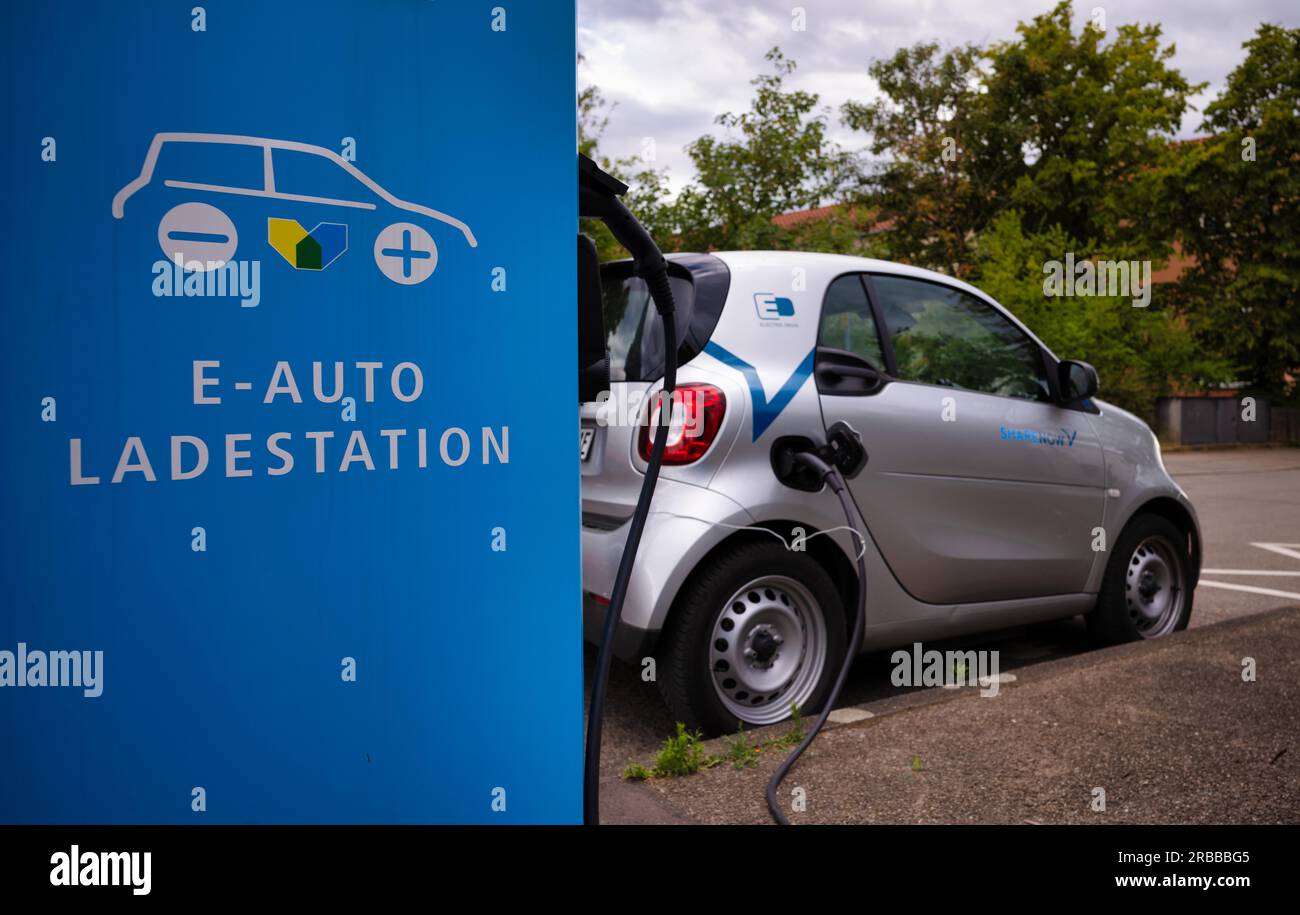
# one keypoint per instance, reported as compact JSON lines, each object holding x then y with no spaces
{"x":587,"y":437}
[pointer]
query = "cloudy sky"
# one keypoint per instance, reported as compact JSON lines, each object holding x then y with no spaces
{"x":672,"y":65}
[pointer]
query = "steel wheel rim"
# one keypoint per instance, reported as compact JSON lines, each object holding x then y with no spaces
{"x":767,"y":649}
{"x":1153,"y":587}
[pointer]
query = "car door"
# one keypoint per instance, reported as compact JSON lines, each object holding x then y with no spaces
{"x":979,"y":486}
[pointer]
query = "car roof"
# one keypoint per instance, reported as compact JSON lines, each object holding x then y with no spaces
{"x":827,"y":266}
{"x":832,"y":263}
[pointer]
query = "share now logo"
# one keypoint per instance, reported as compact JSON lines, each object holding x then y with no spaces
{"x":304,"y":250}
{"x":1064,"y":437}
{"x":773,"y":307}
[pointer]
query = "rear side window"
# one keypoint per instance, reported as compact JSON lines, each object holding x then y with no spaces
{"x":944,"y":336}
{"x":633,"y":331}
{"x":225,"y":165}
{"x":847,"y":321}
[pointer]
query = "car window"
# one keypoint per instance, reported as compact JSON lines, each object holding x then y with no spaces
{"x":847,"y":321}
{"x":311,"y":175}
{"x":634,"y":332}
{"x":225,"y":165}
{"x":944,"y":336}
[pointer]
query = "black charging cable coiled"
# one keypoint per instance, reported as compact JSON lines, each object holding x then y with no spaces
{"x":831,"y":475}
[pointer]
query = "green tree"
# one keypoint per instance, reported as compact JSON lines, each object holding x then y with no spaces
{"x":647,"y":196}
{"x":840,"y":229}
{"x":1139,"y":353}
{"x":934,"y":192}
{"x":592,"y":117}
{"x":774,"y":158}
{"x":592,"y":121}
{"x":1088,"y":124}
{"x":1066,"y":127}
{"x":1236,"y":202}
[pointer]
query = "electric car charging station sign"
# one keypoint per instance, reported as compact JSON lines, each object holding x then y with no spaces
{"x":290,"y":498}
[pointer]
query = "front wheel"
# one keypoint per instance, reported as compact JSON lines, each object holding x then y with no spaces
{"x":1146,"y":592}
{"x":759,"y":630}
{"x":405,"y":253}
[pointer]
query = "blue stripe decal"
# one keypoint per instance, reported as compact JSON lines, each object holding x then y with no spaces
{"x":765,"y":411}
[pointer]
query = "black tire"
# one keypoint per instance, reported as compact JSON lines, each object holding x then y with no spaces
{"x":1118,"y":616}
{"x":685,"y":672}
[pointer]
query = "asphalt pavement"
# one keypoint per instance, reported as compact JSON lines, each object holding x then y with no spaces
{"x":1161,"y":723}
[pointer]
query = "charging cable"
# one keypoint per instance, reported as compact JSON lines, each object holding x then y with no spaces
{"x":598,"y":197}
{"x":788,"y":544}
{"x":832,"y":476}
{"x":604,"y":658}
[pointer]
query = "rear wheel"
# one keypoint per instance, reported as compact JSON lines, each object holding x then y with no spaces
{"x":1146,"y":592}
{"x":757,"y":631}
{"x":198,"y":235}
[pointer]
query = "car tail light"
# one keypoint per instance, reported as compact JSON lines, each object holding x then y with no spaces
{"x":695,"y":418}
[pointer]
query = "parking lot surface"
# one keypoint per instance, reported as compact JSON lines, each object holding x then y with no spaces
{"x":1249,"y":507}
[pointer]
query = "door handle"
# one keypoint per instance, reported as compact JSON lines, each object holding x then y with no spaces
{"x":851,"y":371}
{"x":849,"y":380}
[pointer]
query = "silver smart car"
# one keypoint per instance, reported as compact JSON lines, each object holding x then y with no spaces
{"x":997,"y":491}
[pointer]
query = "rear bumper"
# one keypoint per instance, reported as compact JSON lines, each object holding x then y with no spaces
{"x":685,"y":522}
{"x":631,"y":643}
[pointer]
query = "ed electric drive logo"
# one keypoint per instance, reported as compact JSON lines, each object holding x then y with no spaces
{"x":773,"y":307}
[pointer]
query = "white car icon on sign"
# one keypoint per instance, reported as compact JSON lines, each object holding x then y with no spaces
{"x":203,"y":236}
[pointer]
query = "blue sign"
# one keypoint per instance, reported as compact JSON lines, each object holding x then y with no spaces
{"x":290,"y":500}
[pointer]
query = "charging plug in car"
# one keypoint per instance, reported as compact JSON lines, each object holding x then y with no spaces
{"x":842,"y":450}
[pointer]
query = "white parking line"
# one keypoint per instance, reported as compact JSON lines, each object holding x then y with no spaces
{"x":1290,"y":550}
{"x":1249,"y":589}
